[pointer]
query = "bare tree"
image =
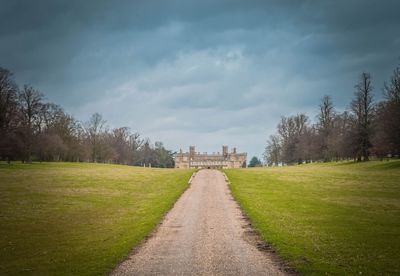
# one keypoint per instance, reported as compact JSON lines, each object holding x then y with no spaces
{"x":325,"y":125}
{"x":8,"y":112}
{"x":308,"y":146}
{"x":387,"y":123}
{"x":391,"y":90}
{"x":272,"y":153}
{"x":94,"y":127}
{"x":8,"y":98}
{"x":30,"y":107}
{"x":290,"y":129}
{"x":120,"y":143}
{"x":50,"y":147}
{"x":78,"y":150}
{"x":362,"y":107}
{"x":287,"y":136}
{"x":135,"y":144}
{"x":340,"y":140}
{"x":147,"y":157}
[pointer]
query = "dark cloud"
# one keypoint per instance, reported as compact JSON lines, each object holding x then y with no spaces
{"x":201,"y":72}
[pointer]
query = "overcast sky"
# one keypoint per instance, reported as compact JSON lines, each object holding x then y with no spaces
{"x":202,"y":73}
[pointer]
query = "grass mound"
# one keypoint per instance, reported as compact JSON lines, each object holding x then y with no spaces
{"x":79,"y":219}
{"x":340,"y":218}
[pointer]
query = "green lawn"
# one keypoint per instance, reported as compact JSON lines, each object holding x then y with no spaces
{"x":335,"y":218}
{"x":69,"y":218}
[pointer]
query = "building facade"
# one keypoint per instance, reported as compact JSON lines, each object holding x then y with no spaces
{"x":224,"y":160}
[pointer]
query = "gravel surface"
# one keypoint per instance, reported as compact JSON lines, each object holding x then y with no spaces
{"x":204,"y":234}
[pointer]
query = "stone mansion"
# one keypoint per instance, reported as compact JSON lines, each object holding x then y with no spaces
{"x":193,"y":159}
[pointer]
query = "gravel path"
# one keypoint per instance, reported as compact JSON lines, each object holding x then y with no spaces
{"x":204,"y":234}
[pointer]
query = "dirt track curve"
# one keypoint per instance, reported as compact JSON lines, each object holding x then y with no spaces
{"x":204,"y":234}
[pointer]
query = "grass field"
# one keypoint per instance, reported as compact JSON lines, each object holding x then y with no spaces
{"x":79,"y":219}
{"x":335,"y":218}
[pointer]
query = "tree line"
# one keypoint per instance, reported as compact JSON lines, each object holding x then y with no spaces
{"x":32,"y":129}
{"x":367,"y":128}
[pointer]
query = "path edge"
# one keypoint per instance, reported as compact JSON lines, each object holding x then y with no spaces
{"x":134,"y":250}
{"x":257,"y":240}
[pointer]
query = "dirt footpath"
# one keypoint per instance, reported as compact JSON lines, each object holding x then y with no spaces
{"x":204,"y":234}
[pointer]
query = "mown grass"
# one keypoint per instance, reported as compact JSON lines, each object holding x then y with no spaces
{"x":79,"y":219}
{"x":335,"y":218}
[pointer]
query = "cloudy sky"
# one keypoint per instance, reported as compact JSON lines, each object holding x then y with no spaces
{"x":205,"y":72}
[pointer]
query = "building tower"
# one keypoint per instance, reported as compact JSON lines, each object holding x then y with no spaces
{"x":225,"y":151}
{"x":192,"y":152}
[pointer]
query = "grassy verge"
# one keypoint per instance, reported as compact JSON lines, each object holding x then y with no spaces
{"x":336,"y":218}
{"x":68,"y":218}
